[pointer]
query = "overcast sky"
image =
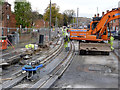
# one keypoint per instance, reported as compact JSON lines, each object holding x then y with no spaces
{"x":87,"y":8}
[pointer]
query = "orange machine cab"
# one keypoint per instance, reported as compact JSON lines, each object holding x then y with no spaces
{"x":3,"y":42}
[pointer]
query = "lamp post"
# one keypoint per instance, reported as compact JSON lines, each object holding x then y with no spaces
{"x":50,"y":23}
{"x":77,"y":16}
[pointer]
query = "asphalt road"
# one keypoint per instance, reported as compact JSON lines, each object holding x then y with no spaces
{"x":90,"y":72}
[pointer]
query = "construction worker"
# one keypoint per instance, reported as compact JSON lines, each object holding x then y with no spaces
{"x":29,"y":46}
{"x":111,"y":42}
{"x":66,"y":30}
{"x":53,"y":28}
{"x":66,"y":41}
{"x":63,"y":31}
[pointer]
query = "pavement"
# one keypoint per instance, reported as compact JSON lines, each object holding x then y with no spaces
{"x":116,"y":45}
{"x":90,"y":72}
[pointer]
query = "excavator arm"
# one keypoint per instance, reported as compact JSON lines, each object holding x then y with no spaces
{"x":101,"y":26}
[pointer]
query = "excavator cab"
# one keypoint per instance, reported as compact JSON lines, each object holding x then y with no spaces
{"x":107,"y":33}
{"x":94,"y":24}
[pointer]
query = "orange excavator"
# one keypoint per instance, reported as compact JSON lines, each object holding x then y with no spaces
{"x":92,"y":40}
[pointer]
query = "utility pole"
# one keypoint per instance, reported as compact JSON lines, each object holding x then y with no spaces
{"x":73,"y":18}
{"x":50,"y":23}
{"x":77,"y":16}
{"x":97,"y":10}
{"x":56,"y":23}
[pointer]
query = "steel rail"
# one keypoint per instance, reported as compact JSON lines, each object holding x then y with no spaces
{"x":19,"y":78}
{"x":57,"y":72}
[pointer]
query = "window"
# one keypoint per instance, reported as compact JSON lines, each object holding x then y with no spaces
{"x":8,"y":30}
{"x":7,"y":5}
{"x":94,"y":25}
{"x":8,"y":17}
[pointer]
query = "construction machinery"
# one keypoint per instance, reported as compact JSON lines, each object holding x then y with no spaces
{"x":97,"y":34}
{"x":3,"y":42}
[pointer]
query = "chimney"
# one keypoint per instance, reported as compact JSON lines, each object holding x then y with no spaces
{"x":98,"y":15}
{"x":103,"y":13}
{"x":107,"y":11}
{"x":95,"y":15}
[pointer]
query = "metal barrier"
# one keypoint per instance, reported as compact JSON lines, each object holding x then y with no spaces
{"x":3,"y":43}
{"x":19,"y":37}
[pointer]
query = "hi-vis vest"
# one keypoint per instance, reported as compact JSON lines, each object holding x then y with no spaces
{"x":29,"y":46}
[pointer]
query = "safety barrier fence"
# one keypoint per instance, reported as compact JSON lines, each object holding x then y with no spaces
{"x":19,"y":37}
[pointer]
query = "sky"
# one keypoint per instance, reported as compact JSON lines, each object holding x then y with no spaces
{"x":87,"y":8}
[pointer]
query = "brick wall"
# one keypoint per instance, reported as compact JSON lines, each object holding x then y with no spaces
{"x":114,"y":25}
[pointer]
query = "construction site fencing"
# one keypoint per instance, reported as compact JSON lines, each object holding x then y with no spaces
{"x":20,"y":37}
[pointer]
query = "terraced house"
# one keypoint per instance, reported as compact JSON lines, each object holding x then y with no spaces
{"x":8,"y":19}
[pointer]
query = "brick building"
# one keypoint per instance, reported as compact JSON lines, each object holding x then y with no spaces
{"x":41,"y":24}
{"x":114,"y":25}
{"x":8,"y":19}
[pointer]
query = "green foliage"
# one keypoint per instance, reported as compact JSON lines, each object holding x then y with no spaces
{"x":36,"y":16}
{"x":23,"y":13}
{"x":40,"y":16}
{"x":1,"y":2}
{"x":54,"y":13}
{"x":60,"y":20}
{"x":69,"y":14}
{"x":65,"y":19}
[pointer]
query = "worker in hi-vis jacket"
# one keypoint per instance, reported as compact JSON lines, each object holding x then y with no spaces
{"x":111,"y":42}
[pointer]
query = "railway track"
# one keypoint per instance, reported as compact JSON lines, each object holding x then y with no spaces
{"x":48,"y":80}
{"x":13,"y":56}
{"x":19,"y":76}
{"x":12,"y":68}
{"x":56,"y":70}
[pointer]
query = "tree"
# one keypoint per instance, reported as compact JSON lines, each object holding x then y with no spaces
{"x":65,"y":19}
{"x":2,"y":1}
{"x":69,"y":14}
{"x":54,"y":12}
{"x":60,"y":20}
{"x":23,"y":13}
{"x":36,"y":16}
